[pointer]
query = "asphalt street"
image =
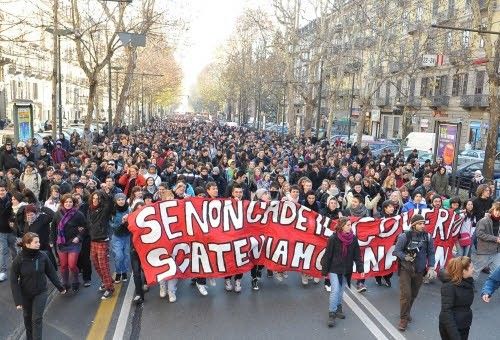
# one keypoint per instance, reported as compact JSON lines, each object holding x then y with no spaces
{"x":283,"y":310}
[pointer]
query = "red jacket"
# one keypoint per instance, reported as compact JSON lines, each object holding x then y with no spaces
{"x":128,"y":183}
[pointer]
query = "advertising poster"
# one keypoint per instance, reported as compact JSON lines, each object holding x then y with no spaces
{"x":24,"y":121}
{"x":447,"y":144}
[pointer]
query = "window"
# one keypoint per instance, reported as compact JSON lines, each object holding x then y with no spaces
{"x":466,"y":39}
{"x":449,"y":39}
{"x":35,"y":91}
{"x":412,"y":87}
{"x":479,"y":82}
{"x":481,"y":42}
{"x":13,"y":90}
{"x":399,"y":88}
{"x":387,"y":91}
{"x":459,"y":87}
{"x":419,"y":14}
{"x":425,"y":87}
{"x":395,"y":126}
{"x":441,"y":86}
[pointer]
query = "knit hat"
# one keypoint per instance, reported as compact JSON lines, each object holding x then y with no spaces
{"x":120,"y":196}
{"x":417,"y":218}
{"x":216,"y":170}
{"x":30,"y":208}
{"x":260,"y":192}
{"x":136,"y":203}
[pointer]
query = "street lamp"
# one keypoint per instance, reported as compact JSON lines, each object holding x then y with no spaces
{"x":59,"y":32}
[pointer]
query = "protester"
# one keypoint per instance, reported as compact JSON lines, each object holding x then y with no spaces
{"x":7,"y":234}
{"x":120,"y":241}
{"x":29,"y":284}
{"x":415,"y":252}
{"x":491,"y":285}
{"x":341,"y":253}
{"x":457,"y":295}
{"x":488,"y":241}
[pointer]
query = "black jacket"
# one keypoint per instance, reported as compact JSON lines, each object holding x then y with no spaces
{"x":333,"y":262}
{"x":455,"y":305}
{"x":28,"y":275}
{"x":8,"y":160}
{"x":41,"y":226}
{"x":5,"y":214}
{"x":71,"y":228}
{"x":98,"y":218}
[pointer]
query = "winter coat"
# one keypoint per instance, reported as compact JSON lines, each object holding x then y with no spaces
{"x":40,"y":226}
{"x":486,"y":241}
{"x":333,"y":262}
{"x":456,"y":300}
{"x":118,"y":227}
{"x":413,"y":206}
{"x":425,"y":257}
{"x":8,"y":160}
{"x":481,"y":207}
{"x":32,"y":182}
{"x":28,"y":275}
{"x":59,"y":155}
{"x":474,"y":185}
{"x":5,"y":214}
{"x":71,"y":228}
{"x":99,"y":217}
{"x":128,"y":183}
{"x":440,"y":183}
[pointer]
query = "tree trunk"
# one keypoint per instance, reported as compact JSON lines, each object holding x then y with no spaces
{"x":127,"y":84}
{"x":309,"y":116}
{"x":91,"y":102}
{"x":290,"y":116}
{"x":330,"y":119}
{"x":492,"y":134}
{"x":360,"y":126}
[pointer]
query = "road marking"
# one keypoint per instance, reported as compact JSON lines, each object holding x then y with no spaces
{"x":378,"y":316}
{"x":124,"y":311}
{"x":372,"y":327}
{"x":103,"y":316}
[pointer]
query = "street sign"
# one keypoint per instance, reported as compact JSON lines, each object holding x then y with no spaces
{"x":429,"y":60}
{"x":375,"y":115}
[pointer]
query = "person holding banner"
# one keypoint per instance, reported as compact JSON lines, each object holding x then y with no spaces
{"x":415,"y":251}
{"x":261,"y":195}
{"x":342,"y":251}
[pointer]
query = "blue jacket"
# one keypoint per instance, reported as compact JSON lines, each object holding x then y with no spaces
{"x":492,"y":283}
{"x":412,"y":205}
{"x":117,"y":227}
{"x":425,"y":257}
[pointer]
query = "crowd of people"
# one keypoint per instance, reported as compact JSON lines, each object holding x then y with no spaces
{"x":68,"y":202}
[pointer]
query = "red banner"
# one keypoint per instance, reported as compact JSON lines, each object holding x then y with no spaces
{"x":215,"y":238}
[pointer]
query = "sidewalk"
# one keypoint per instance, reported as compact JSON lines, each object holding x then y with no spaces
{"x":11,"y":318}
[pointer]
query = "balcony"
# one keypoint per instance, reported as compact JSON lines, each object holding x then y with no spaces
{"x":472,"y":101}
{"x":439,"y":101}
{"x":414,"y":102}
{"x":382,"y":102}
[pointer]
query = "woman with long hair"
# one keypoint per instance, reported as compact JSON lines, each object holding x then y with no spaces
{"x":467,"y":230}
{"x":457,"y":295}
{"x":28,"y":282}
{"x":341,"y":253}
{"x":69,"y":225}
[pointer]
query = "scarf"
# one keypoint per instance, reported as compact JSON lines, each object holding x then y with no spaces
{"x":360,"y":211}
{"x":68,"y":214}
{"x":346,"y":240}
{"x":494,"y":218}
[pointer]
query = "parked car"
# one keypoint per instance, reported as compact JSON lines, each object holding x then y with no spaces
{"x":465,"y":172}
{"x":377,"y":147}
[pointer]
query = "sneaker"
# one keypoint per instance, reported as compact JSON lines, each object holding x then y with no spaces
{"x":3,"y":277}
{"x":361,"y":288}
{"x":328,"y":288}
{"x":270,"y":274}
{"x":387,"y":282}
{"x":124,"y":277}
{"x":102,"y":288}
{"x":107,"y":294}
{"x":171,"y":297}
{"x":202,"y":289}
{"x":402,"y":325}
{"x":340,"y":313}
{"x":163,"y":290}
{"x":145,"y":288}
{"x":379,"y":281}
{"x":212,"y":282}
{"x":255,"y":284}
{"x":87,"y":284}
{"x":426,"y":280}
{"x":331,"y":319}
{"x":285,"y":275}
{"x":316,"y":280}
{"x":305,"y":280}
{"x":118,"y":278}
{"x":138,"y":299}
{"x":237,"y":286}
{"x":279,"y":277}
{"x":228,"y":285}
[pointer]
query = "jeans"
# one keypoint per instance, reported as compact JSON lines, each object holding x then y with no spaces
{"x":482,"y":261}
{"x":68,"y":267}
{"x":463,"y":251}
{"x":170,"y":284}
{"x":337,"y":291}
{"x":33,"y":308}
{"x":7,"y":243}
{"x":256,"y":272}
{"x":120,"y":246}
{"x":84,"y":259}
{"x":464,"y":333}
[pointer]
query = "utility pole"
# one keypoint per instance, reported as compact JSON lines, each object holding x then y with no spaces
{"x":320,"y":90}
{"x":110,"y":100}
{"x":350,"y":109}
{"x":60,"y":81}
{"x":142,"y":100}
{"x":54,"y":71}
